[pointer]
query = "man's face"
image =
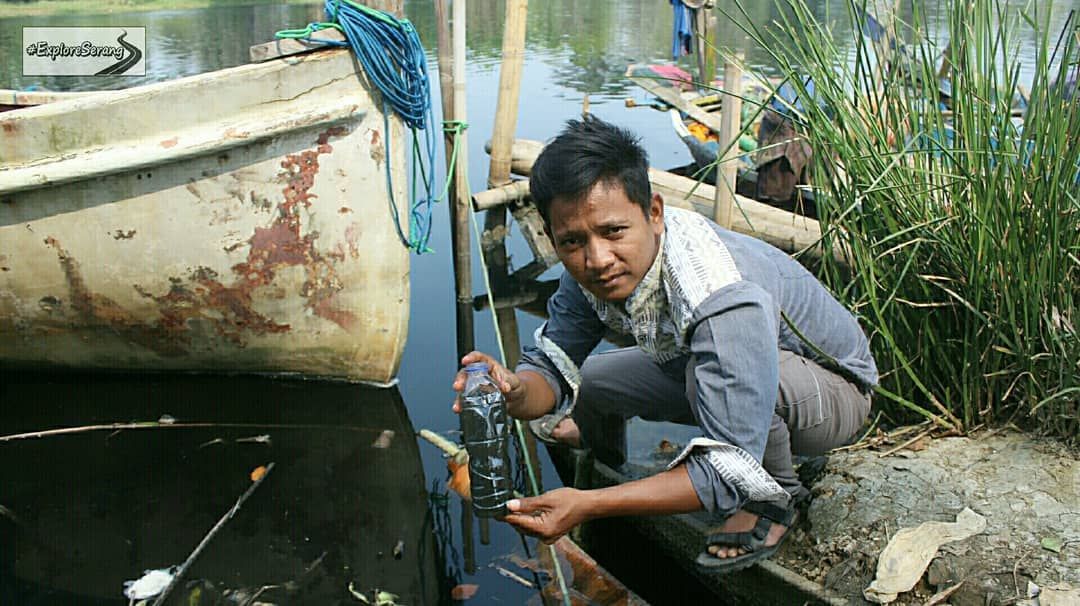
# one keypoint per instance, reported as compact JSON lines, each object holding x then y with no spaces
{"x":605,"y":240}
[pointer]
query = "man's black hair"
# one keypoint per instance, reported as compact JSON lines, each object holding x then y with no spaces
{"x":587,"y":152}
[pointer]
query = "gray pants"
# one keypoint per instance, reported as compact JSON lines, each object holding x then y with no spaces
{"x":816,"y":409}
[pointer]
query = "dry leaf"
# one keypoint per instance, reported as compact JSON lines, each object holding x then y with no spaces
{"x":463,"y":591}
{"x":903,"y":561}
{"x":258,"y":473}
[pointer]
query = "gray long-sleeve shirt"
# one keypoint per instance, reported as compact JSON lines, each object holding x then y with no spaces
{"x":734,"y":338}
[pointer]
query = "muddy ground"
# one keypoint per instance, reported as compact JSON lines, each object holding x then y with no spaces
{"x":1026,"y":488}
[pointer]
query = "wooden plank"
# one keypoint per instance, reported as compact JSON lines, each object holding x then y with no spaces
{"x":286,"y":47}
{"x":729,"y":135}
{"x":787,"y":231}
{"x":671,"y":96}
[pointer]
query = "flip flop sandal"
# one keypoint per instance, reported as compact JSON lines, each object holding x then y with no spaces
{"x":753,"y":540}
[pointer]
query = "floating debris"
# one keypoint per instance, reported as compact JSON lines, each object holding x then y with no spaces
{"x":464,"y":591}
{"x":212,"y":442}
{"x":513,"y":576}
{"x":166,"y":419}
{"x":382,"y":598}
{"x":261,"y":439}
{"x":384,"y":439}
{"x":457,"y":463}
{"x":399,"y":549}
{"x":356,"y":594}
{"x":150,"y":584}
{"x":258,"y":473}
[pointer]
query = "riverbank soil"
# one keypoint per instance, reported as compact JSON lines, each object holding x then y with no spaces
{"x":1026,"y":488}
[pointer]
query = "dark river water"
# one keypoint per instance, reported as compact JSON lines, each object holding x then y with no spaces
{"x":81,"y":513}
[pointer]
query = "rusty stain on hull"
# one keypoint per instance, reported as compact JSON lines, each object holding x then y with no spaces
{"x":229,"y":309}
{"x":378,"y":151}
{"x":96,"y":310}
{"x":281,"y":244}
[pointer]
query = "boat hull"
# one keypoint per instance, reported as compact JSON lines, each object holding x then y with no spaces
{"x":234,"y":221}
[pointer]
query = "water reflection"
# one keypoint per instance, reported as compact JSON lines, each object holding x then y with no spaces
{"x":346,"y":502}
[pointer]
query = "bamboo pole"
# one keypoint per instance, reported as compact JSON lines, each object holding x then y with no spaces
{"x":513,"y":53}
{"x":502,"y":140}
{"x":502,"y":143}
{"x":459,"y":202}
{"x":701,"y":25}
{"x":730,"y":129}
{"x":459,"y":237}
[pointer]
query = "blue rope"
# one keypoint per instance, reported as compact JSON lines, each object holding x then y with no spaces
{"x":390,"y":52}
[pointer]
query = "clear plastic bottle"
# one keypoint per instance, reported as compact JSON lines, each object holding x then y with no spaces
{"x":486,"y":430}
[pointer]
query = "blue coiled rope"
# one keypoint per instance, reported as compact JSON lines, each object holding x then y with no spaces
{"x":393,"y":59}
{"x":389,"y":49}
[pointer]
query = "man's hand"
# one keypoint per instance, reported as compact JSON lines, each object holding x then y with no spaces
{"x":508,"y":382}
{"x":550,"y":515}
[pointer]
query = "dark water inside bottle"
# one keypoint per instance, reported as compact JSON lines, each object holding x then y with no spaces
{"x":487,"y":435}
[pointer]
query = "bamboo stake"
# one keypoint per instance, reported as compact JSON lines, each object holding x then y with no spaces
{"x":459,"y":207}
{"x":453,"y":98}
{"x":701,"y":25}
{"x":502,"y":139}
{"x":513,"y":52}
{"x":502,"y":142}
{"x":730,"y":129}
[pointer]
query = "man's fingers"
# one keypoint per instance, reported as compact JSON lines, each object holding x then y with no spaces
{"x":529,"y":524}
{"x":526,"y":506}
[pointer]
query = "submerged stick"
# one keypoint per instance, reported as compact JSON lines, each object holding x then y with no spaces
{"x":210,"y":535}
{"x":159,"y":425}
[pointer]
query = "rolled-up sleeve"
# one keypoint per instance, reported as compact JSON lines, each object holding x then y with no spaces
{"x":574,"y":327}
{"x":735,"y":369}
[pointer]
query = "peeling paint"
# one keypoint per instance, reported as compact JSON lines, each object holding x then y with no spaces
{"x":95,"y":310}
{"x":352,"y":236}
{"x":377,"y":151}
{"x":203,"y":296}
{"x":282,"y":245}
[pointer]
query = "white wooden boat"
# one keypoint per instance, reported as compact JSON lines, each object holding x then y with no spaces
{"x":233,"y":221}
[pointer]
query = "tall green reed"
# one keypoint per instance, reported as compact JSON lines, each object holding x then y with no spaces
{"x":958,"y":217}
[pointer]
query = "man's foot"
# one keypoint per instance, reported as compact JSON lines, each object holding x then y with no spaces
{"x":566,"y":432}
{"x":751,"y":534}
{"x":744,"y":521}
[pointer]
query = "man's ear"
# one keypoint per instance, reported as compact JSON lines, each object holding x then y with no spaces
{"x":656,"y":210}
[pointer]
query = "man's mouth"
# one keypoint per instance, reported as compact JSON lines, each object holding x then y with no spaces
{"x":609,"y":281}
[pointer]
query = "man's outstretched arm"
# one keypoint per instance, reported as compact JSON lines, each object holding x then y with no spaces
{"x":555,"y":513}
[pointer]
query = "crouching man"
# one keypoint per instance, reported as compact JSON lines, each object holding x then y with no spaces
{"x":731,"y":334}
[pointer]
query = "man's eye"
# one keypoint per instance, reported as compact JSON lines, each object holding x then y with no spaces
{"x":567,"y":242}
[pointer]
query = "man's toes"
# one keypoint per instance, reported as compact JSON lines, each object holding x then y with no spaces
{"x":714,"y":549}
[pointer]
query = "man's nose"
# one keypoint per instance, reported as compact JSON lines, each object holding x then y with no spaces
{"x":598,"y":255}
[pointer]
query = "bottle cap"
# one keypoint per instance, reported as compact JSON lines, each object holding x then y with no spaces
{"x":477,"y":367}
